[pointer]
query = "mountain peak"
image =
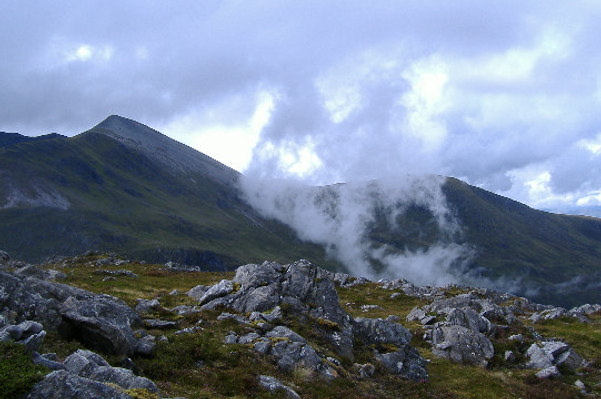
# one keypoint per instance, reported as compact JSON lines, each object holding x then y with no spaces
{"x":158,"y":146}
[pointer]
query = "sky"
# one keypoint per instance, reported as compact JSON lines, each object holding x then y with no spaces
{"x":505,"y":95}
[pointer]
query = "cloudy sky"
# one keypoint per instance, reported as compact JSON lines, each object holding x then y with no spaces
{"x":505,"y":94}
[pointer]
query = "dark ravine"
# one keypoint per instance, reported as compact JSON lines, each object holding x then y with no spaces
{"x":124,"y":187}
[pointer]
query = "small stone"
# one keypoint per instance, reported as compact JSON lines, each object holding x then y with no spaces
{"x":548,"y":372}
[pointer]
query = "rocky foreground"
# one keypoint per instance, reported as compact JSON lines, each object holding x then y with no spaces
{"x":283,"y":331}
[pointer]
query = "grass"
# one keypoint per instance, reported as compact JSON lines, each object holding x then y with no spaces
{"x":201,"y":365}
{"x":18,"y":373}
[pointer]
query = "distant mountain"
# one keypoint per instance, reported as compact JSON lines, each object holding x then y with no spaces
{"x":7,"y":139}
{"x":124,"y":187}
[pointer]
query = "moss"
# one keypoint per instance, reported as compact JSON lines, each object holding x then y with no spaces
{"x":18,"y":373}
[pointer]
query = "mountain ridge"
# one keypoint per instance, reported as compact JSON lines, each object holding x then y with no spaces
{"x":124,"y":187}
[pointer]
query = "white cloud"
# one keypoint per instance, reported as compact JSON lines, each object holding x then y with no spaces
{"x":483,"y":91}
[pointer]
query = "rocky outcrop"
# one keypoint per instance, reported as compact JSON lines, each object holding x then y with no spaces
{"x":271,"y":292}
{"x":301,"y":287}
{"x":87,"y":375}
{"x":102,"y":322}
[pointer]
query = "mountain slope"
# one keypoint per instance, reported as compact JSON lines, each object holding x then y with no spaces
{"x":104,"y":190}
{"x":550,"y":257}
{"x":124,"y":187}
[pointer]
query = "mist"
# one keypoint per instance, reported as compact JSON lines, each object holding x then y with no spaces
{"x":341,"y":216}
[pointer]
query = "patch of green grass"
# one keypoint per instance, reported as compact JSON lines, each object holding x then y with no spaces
{"x":18,"y":373}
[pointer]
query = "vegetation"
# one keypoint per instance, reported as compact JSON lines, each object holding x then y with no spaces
{"x":201,"y":365}
{"x":18,"y":373}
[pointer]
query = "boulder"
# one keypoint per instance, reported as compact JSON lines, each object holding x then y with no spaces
{"x":379,"y":331}
{"x":28,"y":333}
{"x":102,"y":322}
{"x":461,"y":345}
{"x":468,"y":318}
{"x":553,"y":353}
{"x":275,"y":386}
{"x":61,"y":384}
{"x":405,"y":362}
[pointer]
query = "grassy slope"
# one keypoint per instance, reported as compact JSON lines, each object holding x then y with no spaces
{"x":200,"y":365}
{"x":124,"y":202}
{"x":516,"y":241}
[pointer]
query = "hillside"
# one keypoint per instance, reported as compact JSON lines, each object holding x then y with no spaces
{"x":271,"y":330}
{"x":124,"y":187}
{"x":156,"y":200}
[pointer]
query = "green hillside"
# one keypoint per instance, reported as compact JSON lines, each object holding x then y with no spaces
{"x":121,"y":200}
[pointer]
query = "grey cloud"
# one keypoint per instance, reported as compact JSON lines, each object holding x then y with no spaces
{"x":168,"y":60}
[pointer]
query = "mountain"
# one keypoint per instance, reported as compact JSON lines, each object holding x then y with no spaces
{"x":122,"y":186}
{"x":550,"y":257}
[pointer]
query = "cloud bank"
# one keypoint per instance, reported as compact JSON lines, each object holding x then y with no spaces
{"x":340,"y":217}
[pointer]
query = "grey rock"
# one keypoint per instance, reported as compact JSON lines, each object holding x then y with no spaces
{"x":286,"y":333}
{"x":274,"y":385}
{"x":125,"y":378}
{"x":4,"y":257}
{"x":302,"y":287}
{"x":63,"y":385}
{"x":248,"y":338}
{"x":405,"y":362}
{"x":82,"y":362}
{"x":262,"y":346}
{"x":461,"y":345}
{"x":292,"y":354}
{"x":231,"y":338}
{"x":538,"y":358}
{"x":159,"y":324}
{"x":85,"y":363}
{"x":28,"y":333}
{"x":220,"y":289}
{"x":509,"y":357}
{"x":586,"y":309}
{"x":103,"y":323}
{"x":148,"y":305}
{"x":47,"y":361}
{"x":378,"y":331}
{"x":548,"y":372}
{"x":184,"y":310}
{"x":198,"y":291}
{"x":468,"y":318}
{"x":553,"y":353}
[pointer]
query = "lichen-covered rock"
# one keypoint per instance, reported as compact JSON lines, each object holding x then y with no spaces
{"x":468,"y":318}
{"x":301,"y":287}
{"x":275,"y":386}
{"x":64,"y":385}
{"x":461,"y":345}
{"x":405,"y":362}
{"x":553,"y":353}
{"x":379,"y":331}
